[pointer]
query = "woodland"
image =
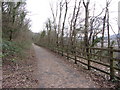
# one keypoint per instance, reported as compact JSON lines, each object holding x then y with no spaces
{"x":79,"y":34}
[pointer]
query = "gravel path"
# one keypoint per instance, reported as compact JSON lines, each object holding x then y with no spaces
{"x":53,"y":72}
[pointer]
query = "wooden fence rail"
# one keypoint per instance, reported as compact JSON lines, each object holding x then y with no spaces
{"x":91,"y":55}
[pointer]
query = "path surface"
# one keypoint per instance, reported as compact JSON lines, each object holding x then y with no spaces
{"x":53,"y":72}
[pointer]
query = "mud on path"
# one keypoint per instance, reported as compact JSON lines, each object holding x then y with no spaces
{"x":54,"y":72}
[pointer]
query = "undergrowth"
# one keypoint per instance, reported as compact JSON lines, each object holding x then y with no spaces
{"x":12,"y":51}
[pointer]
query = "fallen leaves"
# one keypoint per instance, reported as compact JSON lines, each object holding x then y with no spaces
{"x":23,"y":76}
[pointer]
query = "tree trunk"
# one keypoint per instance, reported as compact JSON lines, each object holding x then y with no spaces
{"x":103,"y":31}
{"x":62,"y":35}
{"x":86,"y":42}
{"x":108,"y":27}
{"x":10,"y":37}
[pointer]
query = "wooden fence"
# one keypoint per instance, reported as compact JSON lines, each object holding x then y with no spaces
{"x":107,"y":57}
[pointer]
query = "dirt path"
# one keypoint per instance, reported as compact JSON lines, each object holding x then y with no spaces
{"x":55,"y":73}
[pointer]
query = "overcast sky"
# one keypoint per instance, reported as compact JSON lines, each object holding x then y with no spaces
{"x":40,"y":11}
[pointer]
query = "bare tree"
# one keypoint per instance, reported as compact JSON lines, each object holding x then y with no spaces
{"x":59,"y":22}
{"x":106,"y":20}
{"x":86,"y":5}
{"x":107,"y":5}
{"x":75,"y":21}
{"x":63,"y":26}
{"x":49,"y":29}
{"x":71,"y":24}
{"x":54,"y":22}
{"x":91,"y":24}
{"x":103,"y":31}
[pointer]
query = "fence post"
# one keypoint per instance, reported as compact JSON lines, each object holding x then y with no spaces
{"x":62,"y":50}
{"x":75,"y":55}
{"x":111,"y":63}
{"x":88,"y":57}
{"x":67,"y":51}
{"x":58,"y":48}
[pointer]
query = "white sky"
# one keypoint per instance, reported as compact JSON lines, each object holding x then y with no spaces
{"x":40,"y":11}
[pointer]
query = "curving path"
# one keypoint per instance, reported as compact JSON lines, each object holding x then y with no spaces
{"x":53,"y":72}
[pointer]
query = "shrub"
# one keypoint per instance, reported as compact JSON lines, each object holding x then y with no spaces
{"x":10,"y":50}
